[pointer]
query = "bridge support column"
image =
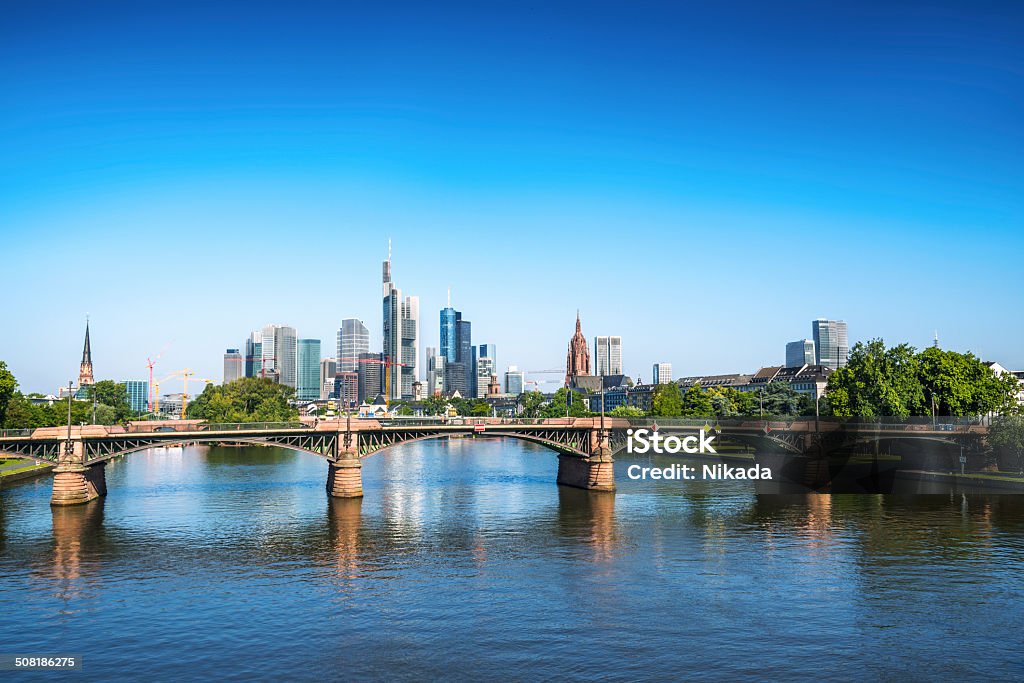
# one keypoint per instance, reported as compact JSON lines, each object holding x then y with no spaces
{"x":75,"y":484}
{"x":596,"y":473}
{"x":345,"y":478}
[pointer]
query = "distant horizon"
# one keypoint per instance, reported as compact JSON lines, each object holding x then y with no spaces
{"x":703,"y":181}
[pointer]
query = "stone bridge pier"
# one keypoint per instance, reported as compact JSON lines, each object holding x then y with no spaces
{"x":74,"y":482}
{"x":345,"y":475}
{"x":595,"y":472}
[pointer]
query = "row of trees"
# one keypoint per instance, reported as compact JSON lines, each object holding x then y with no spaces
{"x":901,"y":382}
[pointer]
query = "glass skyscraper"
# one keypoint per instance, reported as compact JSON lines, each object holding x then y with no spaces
{"x":608,"y":355}
{"x":800,"y":353}
{"x":353,"y":340}
{"x":138,"y":395}
{"x":831,"y":344}
{"x":307,"y":386}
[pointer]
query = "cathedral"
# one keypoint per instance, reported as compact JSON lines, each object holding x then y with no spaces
{"x":577,"y":361}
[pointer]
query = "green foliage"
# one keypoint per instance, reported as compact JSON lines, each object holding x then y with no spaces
{"x":8,"y":387}
{"x":22,"y":414}
{"x":1007,"y":433}
{"x":557,"y":406}
{"x":627,"y":411}
{"x":434,"y":405}
{"x":249,"y":399}
{"x":668,"y":401}
{"x":531,"y":404}
{"x":114,"y":396}
{"x":900,"y":382}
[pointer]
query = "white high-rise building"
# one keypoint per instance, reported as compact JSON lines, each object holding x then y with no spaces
{"x":279,"y":354}
{"x":435,"y":372}
{"x":353,"y":339}
{"x":514,"y":381}
{"x":831,"y":343}
{"x":607,"y":356}
{"x":662,"y":373}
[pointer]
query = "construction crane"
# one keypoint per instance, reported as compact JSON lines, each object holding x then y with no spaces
{"x":185,"y":375}
{"x":387,"y":363}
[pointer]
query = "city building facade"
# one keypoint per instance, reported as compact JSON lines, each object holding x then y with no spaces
{"x":800,"y":353}
{"x":307,"y":374}
{"x":353,"y":339}
{"x":608,"y":355}
{"x":234,"y":367}
{"x":831,"y":342}
{"x":661,"y":373}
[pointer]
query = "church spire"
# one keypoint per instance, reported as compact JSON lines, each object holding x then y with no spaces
{"x":85,"y":370}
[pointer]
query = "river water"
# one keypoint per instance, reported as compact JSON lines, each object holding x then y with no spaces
{"x":465,"y":560}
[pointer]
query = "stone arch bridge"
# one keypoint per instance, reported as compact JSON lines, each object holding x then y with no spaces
{"x":585,"y":446}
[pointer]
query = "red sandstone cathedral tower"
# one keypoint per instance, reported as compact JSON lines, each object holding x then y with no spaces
{"x":85,"y":370}
{"x":577,"y":362}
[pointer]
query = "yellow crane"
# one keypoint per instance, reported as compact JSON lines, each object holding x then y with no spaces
{"x":185,"y":374}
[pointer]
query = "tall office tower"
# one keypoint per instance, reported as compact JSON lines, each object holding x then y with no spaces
{"x":353,"y":339}
{"x":577,"y":360}
{"x":465,"y":357}
{"x":85,"y":377}
{"x":370,"y":376}
{"x":436,"y":364}
{"x":449,"y":333}
{"x":328,"y":369}
{"x":233,"y":368}
{"x":254,"y":354}
{"x":138,"y":394}
{"x":800,"y":353}
{"x":662,"y":373}
{"x":485,"y":368}
{"x":346,"y":389}
{"x":307,"y":376}
{"x":279,"y":354}
{"x":831,"y":344}
{"x":608,"y":355}
{"x":401,"y":336}
{"x":514,"y":381}
{"x":455,"y":377}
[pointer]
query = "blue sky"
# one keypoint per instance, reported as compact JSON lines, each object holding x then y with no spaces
{"x":702,"y":180}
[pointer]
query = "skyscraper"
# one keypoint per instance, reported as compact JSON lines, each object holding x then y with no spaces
{"x":254,"y":354}
{"x":485,"y":368}
{"x":401,"y":336}
{"x":435,"y":372}
{"x":662,"y":373}
{"x":465,"y":357}
{"x":279,"y":354}
{"x":800,"y":353}
{"x":307,"y":380}
{"x":449,"y":333}
{"x":233,"y":367}
{"x":608,"y":355}
{"x":577,"y":360}
{"x":831,"y":344}
{"x":138,"y":394}
{"x":328,"y":369}
{"x":369,"y":376}
{"x":353,"y":339}
{"x":513,"y":381}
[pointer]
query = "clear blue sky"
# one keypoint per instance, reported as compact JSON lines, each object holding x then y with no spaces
{"x":701,"y":178}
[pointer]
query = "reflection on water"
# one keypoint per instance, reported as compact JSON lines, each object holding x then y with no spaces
{"x":464,"y":560}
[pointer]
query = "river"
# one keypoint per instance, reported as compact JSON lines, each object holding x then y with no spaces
{"x":465,"y":560}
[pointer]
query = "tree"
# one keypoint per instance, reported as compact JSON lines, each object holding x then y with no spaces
{"x":8,"y":385}
{"x":877,"y":381}
{"x":249,"y":399}
{"x":782,"y":400}
{"x":531,"y":404}
{"x":668,"y":401}
{"x":557,"y":406}
{"x":114,"y":395}
{"x":960,"y":384}
{"x":435,"y":405}
{"x":1007,"y":433}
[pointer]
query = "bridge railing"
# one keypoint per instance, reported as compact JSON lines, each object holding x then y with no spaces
{"x":15,"y":432}
{"x":143,"y":428}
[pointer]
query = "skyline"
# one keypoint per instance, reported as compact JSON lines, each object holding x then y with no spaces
{"x":701,"y":181}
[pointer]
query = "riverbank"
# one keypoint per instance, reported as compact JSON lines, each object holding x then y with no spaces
{"x":1003,"y":481}
{"x":18,"y":469}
